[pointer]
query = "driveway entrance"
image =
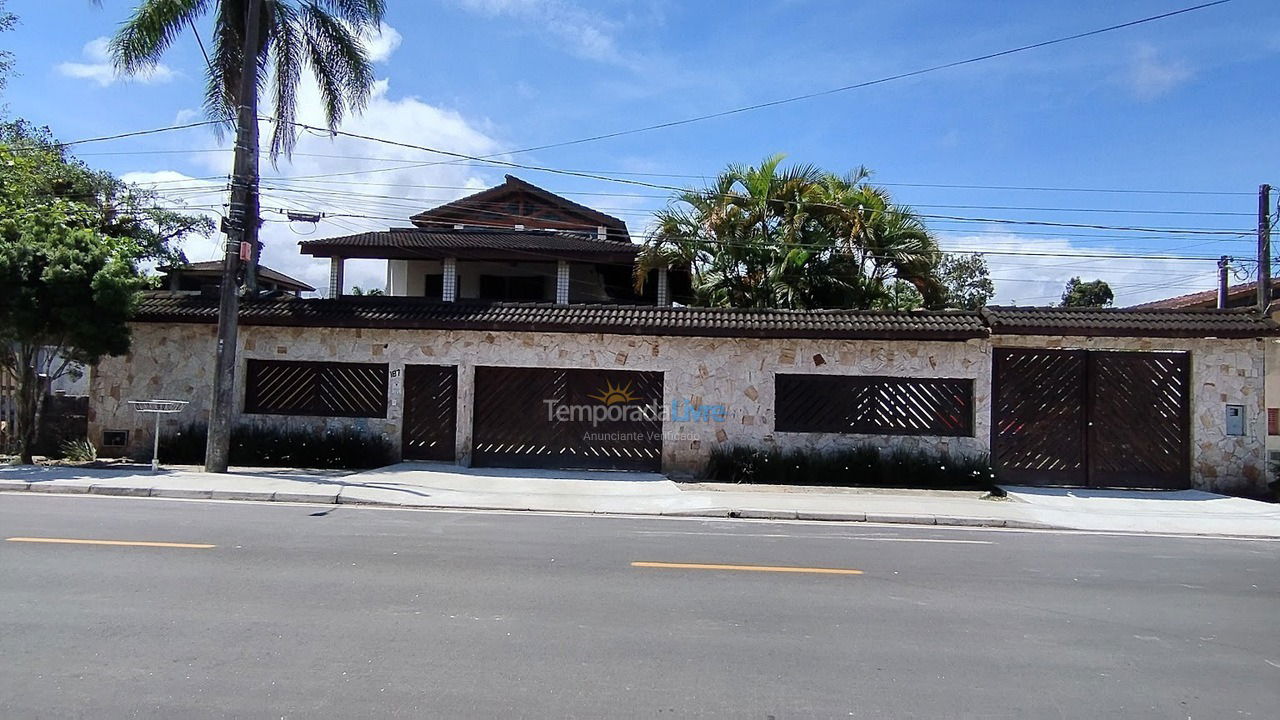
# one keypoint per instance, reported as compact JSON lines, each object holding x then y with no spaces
{"x":562,"y":418}
{"x":1091,"y":418}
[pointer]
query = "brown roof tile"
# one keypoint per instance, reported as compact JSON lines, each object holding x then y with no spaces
{"x":1121,"y":322}
{"x":402,"y":312}
{"x":413,"y":243}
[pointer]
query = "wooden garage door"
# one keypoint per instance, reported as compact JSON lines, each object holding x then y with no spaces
{"x":518,"y":420}
{"x":1091,"y":418}
{"x":430,"y":412}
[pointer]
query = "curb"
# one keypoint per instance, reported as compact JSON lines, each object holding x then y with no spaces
{"x":331,"y":498}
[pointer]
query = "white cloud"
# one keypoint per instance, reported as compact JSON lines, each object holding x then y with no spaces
{"x":402,"y":118}
{"x":100,"y":70}
{"x":185,"y":116}
{"x":587,"y":33}
{"x":1149,"y":75}
{"x":380,"y":45}
{"x":1040,"y":279}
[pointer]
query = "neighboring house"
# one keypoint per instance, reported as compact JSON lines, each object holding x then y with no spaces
{"x":448,"y":370}
{"x":206,"y":277}
{"x":514,"y":242}
{"x":1244,"y":295}
{"x":1238,"y":296}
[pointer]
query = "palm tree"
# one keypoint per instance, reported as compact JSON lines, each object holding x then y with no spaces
{"x":323,"y":35}
{"x":249,"y":38}
{"x":797,"y":237}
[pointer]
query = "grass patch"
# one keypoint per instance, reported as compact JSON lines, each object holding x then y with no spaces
{"x":864,"y":466}
{"x":252,"y":445}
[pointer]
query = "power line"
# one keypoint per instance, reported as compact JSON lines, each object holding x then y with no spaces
{"x":120,"y":136}
{"x":651,"y":196}
{"x":485,"y":163}
{"x":673,"y":188}
{"x":869,"y":83}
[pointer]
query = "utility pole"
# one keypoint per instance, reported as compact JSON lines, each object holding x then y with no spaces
{"x":243,"y":215}
{"x":1264,"y":247}
{"x":1224,"y":264}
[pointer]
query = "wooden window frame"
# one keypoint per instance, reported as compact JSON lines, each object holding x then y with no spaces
{"x":311,"y":378}
{"x":798,"y":413}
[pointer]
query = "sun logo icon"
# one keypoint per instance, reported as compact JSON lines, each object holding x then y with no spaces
{"x":613,"y":394}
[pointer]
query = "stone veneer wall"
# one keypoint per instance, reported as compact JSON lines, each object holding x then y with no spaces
{"x":175,"y":362}
{"x":1223,"y":372}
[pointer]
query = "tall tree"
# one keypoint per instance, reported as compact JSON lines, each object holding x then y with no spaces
{"x":1095,"y":293}
{"x":967,"y":281}
{"x":70,"y":243}
{"x":7,"y":21}
{"x":794,"y":237}
{"x":322,"y":35}
{"x":249,"y":37}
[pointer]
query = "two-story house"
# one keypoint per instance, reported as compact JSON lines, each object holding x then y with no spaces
{"x":514,"y":242}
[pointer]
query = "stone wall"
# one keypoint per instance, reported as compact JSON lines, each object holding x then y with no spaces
{"x":175,"y":362}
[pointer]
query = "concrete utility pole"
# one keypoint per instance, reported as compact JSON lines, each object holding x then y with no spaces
{"x":243,"y":214}
{"x":1224,"y":264}
{"x":1264,"y":247}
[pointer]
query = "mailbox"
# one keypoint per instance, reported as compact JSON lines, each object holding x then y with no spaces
{"x":1235,"y":420}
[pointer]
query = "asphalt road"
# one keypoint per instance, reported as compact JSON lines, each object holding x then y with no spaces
{"x":309,"y":611}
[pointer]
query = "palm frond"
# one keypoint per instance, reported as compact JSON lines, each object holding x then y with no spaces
{"x":149,"y":32}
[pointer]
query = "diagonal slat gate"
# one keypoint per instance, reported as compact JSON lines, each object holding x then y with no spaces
{"x":1038,"y":416}
{"x":543,"y":417}
{"x":1091,"y":418}
{"x":430,"y":412}
{"x":1140,"y":406}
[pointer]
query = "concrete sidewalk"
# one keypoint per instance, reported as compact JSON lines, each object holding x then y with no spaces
{"x":431,"y":485}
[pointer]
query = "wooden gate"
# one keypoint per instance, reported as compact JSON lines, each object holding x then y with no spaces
{"x":560,"y":418}
{"x":430,"y":412}
{"x":1091,"y":418}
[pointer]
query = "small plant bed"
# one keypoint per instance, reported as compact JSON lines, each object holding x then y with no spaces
{"x":254,"y":446}
{"x":856,"y":467}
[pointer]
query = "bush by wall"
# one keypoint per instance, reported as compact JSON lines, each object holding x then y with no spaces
{"x":856,"y":467}
{"x":253,"y":445}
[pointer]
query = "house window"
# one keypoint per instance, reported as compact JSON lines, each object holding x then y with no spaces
{"x":874,"y":405}
{"x":513,"y":288}
{"x":325,"y":389}
{"x":1273,"y":421}
{"x":433,"y":286}
{"x":115,"y":438}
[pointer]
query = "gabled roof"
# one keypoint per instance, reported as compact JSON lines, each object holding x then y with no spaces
{"x":473,"y":244}
{"x":213,"y":268}
{"x":1245,"y":293}
{"x":505,"y":206}
{"x":1124,"y":322}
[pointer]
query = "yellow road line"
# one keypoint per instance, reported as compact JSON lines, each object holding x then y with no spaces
{"x":749,"y":568}
{"x":126,"y":543}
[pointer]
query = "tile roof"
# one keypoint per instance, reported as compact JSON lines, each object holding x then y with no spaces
{"x":420,"y":313}
{"x":414,"y":243}
{"x":1209,"y":298}
{"x":511,"y":184}
{"x":403,"y":312}
{"x":215,"y":266}
{"x":1124,"y":322}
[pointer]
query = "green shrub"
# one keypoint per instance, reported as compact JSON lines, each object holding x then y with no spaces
{"x":78,"y":450}
{"x":253,"y":445}
{"x":862,"y":466}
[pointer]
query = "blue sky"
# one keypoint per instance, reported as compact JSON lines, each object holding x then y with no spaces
{"x":1185,"y":104}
